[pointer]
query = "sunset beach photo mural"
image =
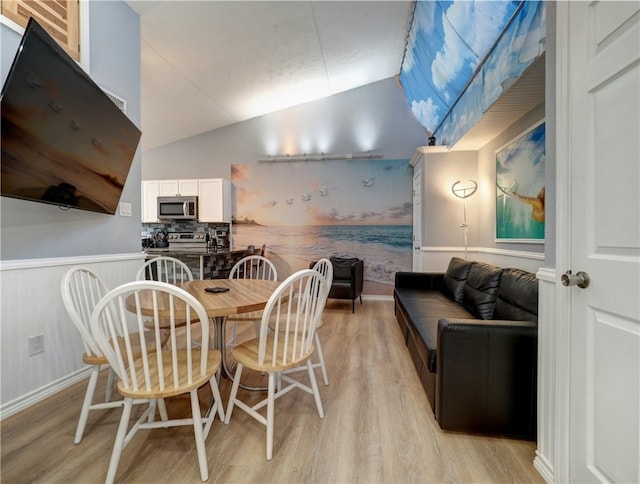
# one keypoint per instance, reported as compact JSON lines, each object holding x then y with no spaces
{"x":304,"y":211}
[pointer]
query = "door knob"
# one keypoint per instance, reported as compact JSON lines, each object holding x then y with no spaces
{"x":580,"y":279}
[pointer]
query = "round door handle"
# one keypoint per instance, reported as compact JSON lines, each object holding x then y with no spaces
{"x":580,"y":279}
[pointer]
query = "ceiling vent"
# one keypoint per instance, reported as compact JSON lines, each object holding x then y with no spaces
{"x":118,"y":101}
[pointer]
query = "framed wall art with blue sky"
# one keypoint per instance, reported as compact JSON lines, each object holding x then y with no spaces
{"x":520,"y":187}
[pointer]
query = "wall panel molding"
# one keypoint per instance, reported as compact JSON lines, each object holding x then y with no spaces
{"x":31,"y":304}
{"x":437,"y":258}
{"x":12,"y":265}
{"x":547,"y":375}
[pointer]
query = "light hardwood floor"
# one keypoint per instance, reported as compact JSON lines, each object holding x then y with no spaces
{"x":378,"y":427}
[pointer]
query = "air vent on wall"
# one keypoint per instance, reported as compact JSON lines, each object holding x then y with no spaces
{"x":121,"y":103}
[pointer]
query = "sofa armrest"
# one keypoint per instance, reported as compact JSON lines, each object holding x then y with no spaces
{"x":487,"y":376}
{"x":429,"y":281}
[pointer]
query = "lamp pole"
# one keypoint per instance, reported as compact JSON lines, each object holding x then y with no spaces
{"x":464,"y":192}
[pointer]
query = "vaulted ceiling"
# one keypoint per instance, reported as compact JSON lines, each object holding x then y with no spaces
{"x":209,"y":64}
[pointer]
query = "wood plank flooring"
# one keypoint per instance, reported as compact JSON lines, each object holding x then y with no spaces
{"x":378,"y":428}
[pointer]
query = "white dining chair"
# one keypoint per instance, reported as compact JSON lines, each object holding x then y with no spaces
{"x":325,"y":268}
{"x":161,"y":374}
{"x":164,"y":269}
{"x":286,"y":338}
{"x":81,"y":290}
{"x":250,"y":267}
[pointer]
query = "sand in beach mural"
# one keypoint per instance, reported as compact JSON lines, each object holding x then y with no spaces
{"x":303,"y":211}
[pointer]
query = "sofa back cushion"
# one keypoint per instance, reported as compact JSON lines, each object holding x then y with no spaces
{"x":342,"y":267}
{"x":455,"y":278}
{"x":517,"y":297}
{"x":481,"y":289}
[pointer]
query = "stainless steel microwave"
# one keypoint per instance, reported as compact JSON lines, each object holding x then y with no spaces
{"x":178,"y":208}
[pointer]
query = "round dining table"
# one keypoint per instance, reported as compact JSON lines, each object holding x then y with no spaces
{"x":242,"y":296}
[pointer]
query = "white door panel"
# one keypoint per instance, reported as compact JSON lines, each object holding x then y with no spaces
{"x":604,"y":151}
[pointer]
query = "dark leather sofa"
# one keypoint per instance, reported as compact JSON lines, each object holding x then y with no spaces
{"x":472,"y":334}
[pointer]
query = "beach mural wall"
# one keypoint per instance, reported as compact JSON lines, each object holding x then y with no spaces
{"x":304,"y":211}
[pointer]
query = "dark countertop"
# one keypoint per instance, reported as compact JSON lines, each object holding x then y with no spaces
{"x":192,"y":252}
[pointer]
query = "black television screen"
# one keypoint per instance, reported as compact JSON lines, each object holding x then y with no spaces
{"x":64,"y":141}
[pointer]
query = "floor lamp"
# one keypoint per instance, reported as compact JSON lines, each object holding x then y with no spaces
{"x":464,"y":190}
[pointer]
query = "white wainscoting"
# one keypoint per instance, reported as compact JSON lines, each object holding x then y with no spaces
{"x":436,"y":259}
{"x":32,"y":305}
{"x":547,"y":381}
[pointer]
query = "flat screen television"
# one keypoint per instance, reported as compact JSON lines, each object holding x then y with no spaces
{"x":64,"y":141}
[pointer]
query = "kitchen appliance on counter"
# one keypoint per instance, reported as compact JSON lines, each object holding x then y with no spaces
{"x":178,"y":208}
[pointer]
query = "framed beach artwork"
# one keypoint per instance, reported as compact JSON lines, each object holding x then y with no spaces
{"x":520,"y":187}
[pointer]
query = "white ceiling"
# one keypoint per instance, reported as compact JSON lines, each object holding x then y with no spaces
{"x":209,"y":64}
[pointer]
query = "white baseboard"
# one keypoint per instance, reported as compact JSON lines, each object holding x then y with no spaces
{"x":31,"y":398}
{"x":544,"y":468}
{"x":377,"y":297}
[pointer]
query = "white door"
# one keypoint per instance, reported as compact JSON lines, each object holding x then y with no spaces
{"x":417,"y":219}
{"x":599,"y":143}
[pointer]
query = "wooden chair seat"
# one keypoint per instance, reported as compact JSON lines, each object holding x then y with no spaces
{"x":170,"y":390}
{"x":247,"y":354}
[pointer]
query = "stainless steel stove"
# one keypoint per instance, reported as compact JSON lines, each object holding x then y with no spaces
{"x":188,"y":240}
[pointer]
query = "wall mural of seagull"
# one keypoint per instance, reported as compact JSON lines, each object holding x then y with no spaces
{"x":306,"y":197}
{"x":289,"y":201}
{"x":324,"y":191}
{"x":273,"y":202}
{"x":369,"y":182}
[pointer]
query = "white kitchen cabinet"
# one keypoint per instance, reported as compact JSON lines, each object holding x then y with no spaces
{"x":172,"y":188}
{"x":149,"y":201}
{"x":214,"y":200}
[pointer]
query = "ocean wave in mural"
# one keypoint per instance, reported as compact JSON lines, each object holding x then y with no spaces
{"x":447,"y":43}
{"x":305,"y":211}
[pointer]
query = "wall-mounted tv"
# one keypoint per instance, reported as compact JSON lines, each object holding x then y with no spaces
{"x":64,"y":141}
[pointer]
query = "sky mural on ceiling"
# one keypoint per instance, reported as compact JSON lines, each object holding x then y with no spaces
{"x":449,"y":41}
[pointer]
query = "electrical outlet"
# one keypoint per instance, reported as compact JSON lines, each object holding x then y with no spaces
{"x":36,"y":344}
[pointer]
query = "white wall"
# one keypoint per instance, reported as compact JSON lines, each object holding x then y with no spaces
{"x":32,"y":305}
{"x":443,"y":212}
{"x":375,"y":117}
{"x":442,"y":236}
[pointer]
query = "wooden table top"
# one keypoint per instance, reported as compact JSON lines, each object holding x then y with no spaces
{"x":243,"y":296}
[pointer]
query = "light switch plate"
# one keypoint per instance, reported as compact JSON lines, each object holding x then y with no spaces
{"x":125,"y":209}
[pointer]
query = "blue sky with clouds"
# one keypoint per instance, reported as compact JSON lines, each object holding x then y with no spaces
{"x":448,"y":40}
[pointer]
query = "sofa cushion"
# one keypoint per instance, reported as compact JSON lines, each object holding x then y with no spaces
{"x":481,"y":289}
{"x":518,"y":296}
{"x":342,"y":267}
{"x":455,"y":278}
{"x":424,"y":309}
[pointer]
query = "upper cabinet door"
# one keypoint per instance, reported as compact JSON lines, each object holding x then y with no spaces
{"x":214,"y":199}
{"x":174,"y":188}
{"x":188,"y":187}
{"x":60,"y":19}
{"x":149,"y":201}
{"x":168,"y":188}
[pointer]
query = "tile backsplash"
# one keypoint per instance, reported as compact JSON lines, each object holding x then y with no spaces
{"x":220,"y":233}
{"x":177,"y":226}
